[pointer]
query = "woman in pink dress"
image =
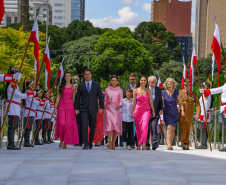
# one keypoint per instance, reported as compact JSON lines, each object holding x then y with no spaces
{"x":112,"y":117}
{"x":141,"y":103}
{"x":66,"y":125}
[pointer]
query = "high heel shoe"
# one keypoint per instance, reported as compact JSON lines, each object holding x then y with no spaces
{"x":65,"y":146}
{"x":138,"y":147}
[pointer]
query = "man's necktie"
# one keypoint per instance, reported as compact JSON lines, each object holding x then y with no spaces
{"x":88,"y":88}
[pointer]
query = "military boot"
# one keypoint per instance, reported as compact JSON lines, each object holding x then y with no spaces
{"x":11,"y":146}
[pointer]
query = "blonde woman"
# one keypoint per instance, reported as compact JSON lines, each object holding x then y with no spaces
{"x":170,"y":111}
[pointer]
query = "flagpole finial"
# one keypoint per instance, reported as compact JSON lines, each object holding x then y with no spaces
{"x":214,"y":18}
{"x":37,"y":13}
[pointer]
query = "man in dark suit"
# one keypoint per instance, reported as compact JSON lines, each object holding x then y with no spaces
{"x":132,"y":85}
{"x":158,"y":106}
{"x":86,"y":103}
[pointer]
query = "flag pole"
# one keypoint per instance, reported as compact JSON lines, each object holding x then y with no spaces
{"x":204,"y":110}
{"x":10,"y":101}
{"x":39,"y":123}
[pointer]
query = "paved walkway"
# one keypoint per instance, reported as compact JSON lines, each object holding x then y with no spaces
{"x":49,"y":165}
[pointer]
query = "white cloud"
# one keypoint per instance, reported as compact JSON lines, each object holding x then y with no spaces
{"x":138,"y":3}
{"x":128,"y":2}
{"x":147,"y":7}
{"x":126,"y":18}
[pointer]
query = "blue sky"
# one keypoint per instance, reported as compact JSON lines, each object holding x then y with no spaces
{"x":118,"y":13}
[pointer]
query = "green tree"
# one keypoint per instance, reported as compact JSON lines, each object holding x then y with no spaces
{"x":158,"y":41}
{"x":171,"y":69}
{"x":76,"y":59}
{"x":119,"y":52}
{"x":77,"y":29}
{"x":12,"y":47}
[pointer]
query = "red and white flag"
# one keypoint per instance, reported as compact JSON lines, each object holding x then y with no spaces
{"x":34,"y":37}
{"x":159,"y":82}
{"x":2,"y":10}
{"x":216,"y":48}
{"x":185,"y":74}
{"x":193,"y":62}
{"x":61,"y":71}
{"x":46,"y":59}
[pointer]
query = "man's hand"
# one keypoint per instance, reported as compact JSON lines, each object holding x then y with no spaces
{"x":76,"y":112}
{"x":132,"y":115}
{"x":160,"y":112}
{"x":197,"y":117}
{"x":100,"y":111}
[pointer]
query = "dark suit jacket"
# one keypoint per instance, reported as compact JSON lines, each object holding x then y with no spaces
{"x":158,"y":105}
{"x":85,"y":101}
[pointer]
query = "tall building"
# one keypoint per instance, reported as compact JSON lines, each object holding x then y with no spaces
{"x":45,"y":11}
{"x":11,"y":12}
{"x":205,"y":25}
{"x":174,"y":14}
{"x":66,"y":11}
{"x":60,"y":12}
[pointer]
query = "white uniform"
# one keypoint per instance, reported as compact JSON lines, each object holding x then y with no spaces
{"x":28,"y":105}
{"x":15,"y":106}
{"x":49,"y":110}
{"x":221,"y":90}
{"x":39,"y":108}
{"x":6,"y":77}
{"x":207,"y":103}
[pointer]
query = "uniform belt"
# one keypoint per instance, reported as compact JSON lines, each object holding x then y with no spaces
{"x":222,"y":104}
{"x":48,"y":112}
{"x":16,"y":103}
{"x":29,"y":109}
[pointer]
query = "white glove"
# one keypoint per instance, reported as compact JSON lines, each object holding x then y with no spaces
{"x":201,"y":91}
{"x":17,"y":76}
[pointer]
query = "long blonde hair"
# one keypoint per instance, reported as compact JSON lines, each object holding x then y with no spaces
{"x":169,"y":80}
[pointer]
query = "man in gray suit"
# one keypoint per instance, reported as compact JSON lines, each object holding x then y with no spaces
{"x":86,"y":102}
{"x":156,"y":93}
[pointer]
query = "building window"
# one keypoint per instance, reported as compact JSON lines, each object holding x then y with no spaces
{"x":58,"y":17}
{"x":75,"y":18}
{"x":15,"y":20}
{"x":58,"y":4}
{"x":58,"y":23}
{"x":75,"y":1}
{"x":75,"y":12}
{"x":8,"y":20}
{"x":58,"y":11}
{"x":75,"y":6}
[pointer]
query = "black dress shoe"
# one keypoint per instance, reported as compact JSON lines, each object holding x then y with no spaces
{"x":154,"y":148}
{"x":46,"y":142}
{"x":185,"y":148}
{"x":90,"y":147}
{"x":76,"y":145}
{"x":28,"y":145}
{"x":202,"y":147}
{"x":148,"y":148}
{"x":38,"y":143}
{"x":116,"y":145}
{"x":85,"y":148}
{"x":12,"y":148}
{"x":223,"y":149}
{"x":133,"y":147}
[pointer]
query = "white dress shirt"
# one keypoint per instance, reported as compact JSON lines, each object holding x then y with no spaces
{"x":126,"y":110}
{"x":133,"y":87}
{"x":152,"y":93}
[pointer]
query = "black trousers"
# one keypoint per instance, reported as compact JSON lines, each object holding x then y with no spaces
{"x":13,"y":121}
{"x":152,"y":127}
{"x":78,"y":119}
{"x":127,"y":132}
{"x":31,"y":120}
{"x":88,"y":119}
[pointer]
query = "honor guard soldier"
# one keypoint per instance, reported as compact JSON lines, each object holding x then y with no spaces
{"x":51,"y":110}
{"x":10,"y":77}
{"x":14,"y":109}
{"x":39,"y":111}
{"x":189,"y":99}
{"x":30,"y":86}
{"x":47,"y":115}
{"x":218,"y":90}
{"x":202,"y":121}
